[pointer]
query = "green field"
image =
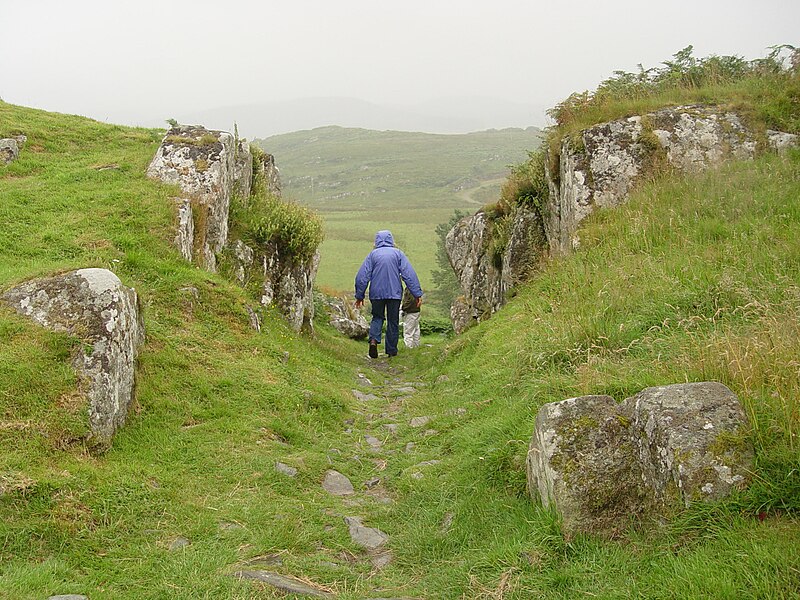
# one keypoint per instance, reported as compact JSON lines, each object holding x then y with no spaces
{"x":362,"y":181}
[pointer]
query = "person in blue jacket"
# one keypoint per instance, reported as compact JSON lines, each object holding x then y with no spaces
{"x":382,"y":271}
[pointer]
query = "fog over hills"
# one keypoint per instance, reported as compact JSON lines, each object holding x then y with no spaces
{"x":442,"y":115}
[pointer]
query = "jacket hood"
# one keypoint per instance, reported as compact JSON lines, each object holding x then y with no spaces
{"x":384,"y":239}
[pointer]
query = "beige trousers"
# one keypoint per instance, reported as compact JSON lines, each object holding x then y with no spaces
{"x":411,"y":329}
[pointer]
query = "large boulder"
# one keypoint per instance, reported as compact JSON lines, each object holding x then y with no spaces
{"x":203,"y":163}
{"x":691,"y":441}
{"x":9,"y":150}
{"x":580,"y":461}
{"x":94,"y":305}
{"x":600,"y":166}
{"x":346,"y":318}
{"x":602,"y":464}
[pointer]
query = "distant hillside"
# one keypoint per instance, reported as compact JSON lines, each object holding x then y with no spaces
{"x":442,"y":115}
{"x":363,"y":180}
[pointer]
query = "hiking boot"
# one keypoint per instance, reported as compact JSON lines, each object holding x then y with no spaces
{"x":373,"y":349}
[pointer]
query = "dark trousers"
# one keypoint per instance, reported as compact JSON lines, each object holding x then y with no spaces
{"x":391,"y":308}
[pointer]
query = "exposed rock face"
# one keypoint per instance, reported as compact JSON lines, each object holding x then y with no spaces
{"x":602,"y":464}
{"x":211,"y":167}
{"x":526,"y":245}
{"x":94,"y":305}
{"x":243,"y":171}
{"x":346,"y":318}
{"x":461,"y":315}
{"x":285,"y":281}
{"x":467,"y":249}
{"x":781,"y":141}
{"x":203,"y":164}
{"x":596,"y":168}
{"x":483,"y":282}
{"x":290,"y":285}
{"x":601,"y":166}
{"x":184,"y":229}
{"x":272,"y":176}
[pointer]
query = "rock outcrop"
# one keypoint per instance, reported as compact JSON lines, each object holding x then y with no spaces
{"x":91,"y":304}
{"x":211,"y":168}
{"x":600,"y":166}
{"x":243,"y":171}
{"x":485,"y":279}
{"x":272,"y":176}
{"x":10,"y":148}
{"x":603,"y":465}
{"x":284,"y":281}
{"x":346,"y":318}
{"x":203,"y":163}
{"x":597,"y":167}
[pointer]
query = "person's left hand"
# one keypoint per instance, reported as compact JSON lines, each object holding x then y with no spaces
{"x":359,"y":303}
{"x":419,"y":301}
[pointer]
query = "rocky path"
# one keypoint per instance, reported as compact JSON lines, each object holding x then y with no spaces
{"x":377,"y":434}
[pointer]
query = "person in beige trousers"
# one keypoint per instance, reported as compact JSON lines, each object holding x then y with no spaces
{"x":410,"y":307}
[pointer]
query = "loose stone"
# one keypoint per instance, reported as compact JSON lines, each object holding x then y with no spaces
{"x":284,"y":583}
{"x":337,"y":484}
{"x":380,"y":560}
{"x":179,"y":543}
{"x":447,"y":522}
{"x":361,"y":396}
{"x":419,"y":421}
{"x":406,"y":389}
{"x":368,"y":537}
{"x":373,"y":442}
{"x":285,"y":469}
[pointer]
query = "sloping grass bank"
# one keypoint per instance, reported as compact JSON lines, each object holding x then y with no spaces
{"x":695,"y":279}
{"x":217,"y":403}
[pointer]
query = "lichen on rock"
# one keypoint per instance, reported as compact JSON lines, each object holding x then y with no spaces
{"x":95,"y":306}
{"x":601,"y":168}
{"x":203,"y":163}
{"x":346,"y":318}
{"x":602,"y":464}
{"x":484,"y":283}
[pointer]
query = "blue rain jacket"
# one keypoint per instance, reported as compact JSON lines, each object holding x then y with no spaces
{"x":383,"y":269}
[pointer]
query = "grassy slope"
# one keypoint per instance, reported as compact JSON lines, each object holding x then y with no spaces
{"x":362,"y":181}
{"x":694,"y":279}
{"x":212,"y":396}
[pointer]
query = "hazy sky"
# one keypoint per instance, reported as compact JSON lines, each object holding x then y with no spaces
{"x":144,"y":60}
